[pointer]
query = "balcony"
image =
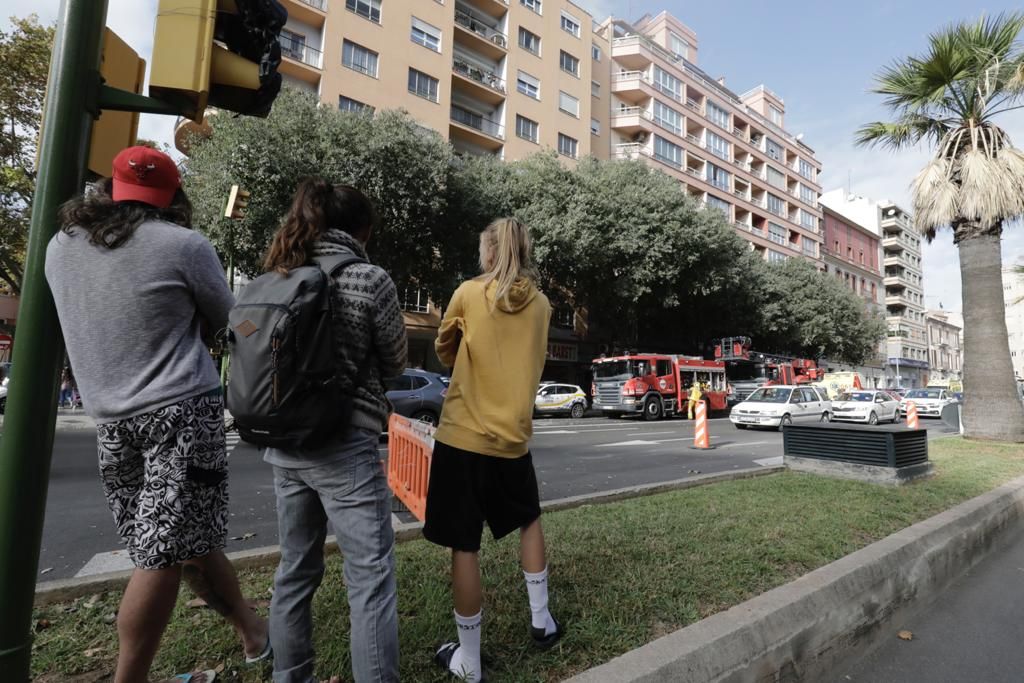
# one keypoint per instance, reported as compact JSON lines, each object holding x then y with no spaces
{"x":476,"y":128}
{"x":893,"y":281}
{"x":630,"y":150}
{"x":486,"y":84}
{"x":497,"y":7}
{"x":480,"y":32}
{"x":694,"y":105}
{"x":632,"y":86}
{"x":312,"y":12}
{"x":301,"y":61}
{"x":631,"y":120}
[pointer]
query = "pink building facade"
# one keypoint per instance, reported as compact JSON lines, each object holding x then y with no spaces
{"x":851,"y":254}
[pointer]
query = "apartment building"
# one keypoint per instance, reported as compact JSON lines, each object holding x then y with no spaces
{"x":1013,"y":295}
{"x":500,"y":77}
{"x":731,"y":151}
{"x":945,"y":354}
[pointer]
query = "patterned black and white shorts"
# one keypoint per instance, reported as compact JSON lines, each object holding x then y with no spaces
{"x":165,"y":477}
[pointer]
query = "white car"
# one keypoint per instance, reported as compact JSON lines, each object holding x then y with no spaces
{"x":866,"y":406}
{"x":929,"y":402}
{"x":560,"y":399}
{"x":782,"y":405}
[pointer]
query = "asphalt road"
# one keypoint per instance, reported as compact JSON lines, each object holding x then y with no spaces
{"x":571,"y":457}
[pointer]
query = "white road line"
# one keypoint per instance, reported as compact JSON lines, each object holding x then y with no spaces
{"x":627,"y":443}
{"x":588,"y":431}
{"x":769,"y":462}
{"x":113,"y":561}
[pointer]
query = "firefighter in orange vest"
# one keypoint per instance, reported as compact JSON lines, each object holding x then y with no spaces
{"x":695,"y":396}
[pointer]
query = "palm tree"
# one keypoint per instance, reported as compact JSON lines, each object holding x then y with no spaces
{"x":949,"y":98}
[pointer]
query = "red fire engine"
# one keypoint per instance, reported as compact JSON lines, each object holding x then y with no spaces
{"x":655,"y":385}
{"x":747,"y":370}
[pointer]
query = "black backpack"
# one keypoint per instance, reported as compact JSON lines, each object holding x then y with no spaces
{"x":286,"y":390}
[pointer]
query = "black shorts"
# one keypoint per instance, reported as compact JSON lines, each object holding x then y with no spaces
{"x":467,"y":489}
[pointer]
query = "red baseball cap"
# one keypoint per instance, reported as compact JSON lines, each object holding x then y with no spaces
{"x":143,"y":174}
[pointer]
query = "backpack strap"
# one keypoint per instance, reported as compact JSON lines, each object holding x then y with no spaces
{"x":332,"y":264}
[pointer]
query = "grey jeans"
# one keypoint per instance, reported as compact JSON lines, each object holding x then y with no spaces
{"x":353,"y":495}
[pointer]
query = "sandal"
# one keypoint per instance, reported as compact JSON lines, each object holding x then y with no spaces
{"x":210,"y":676}
{"x":265,"y":654}
{"x":443,"y":657}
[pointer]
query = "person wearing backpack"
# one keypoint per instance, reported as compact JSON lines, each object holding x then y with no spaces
{"x":339,"y":478}
{"x":134,"y":340}
{"x":494,"y":335}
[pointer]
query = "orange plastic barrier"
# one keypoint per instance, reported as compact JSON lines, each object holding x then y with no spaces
{"x":911,"y":414}
{"x":700,"y":429}
{"x":410,"y":445}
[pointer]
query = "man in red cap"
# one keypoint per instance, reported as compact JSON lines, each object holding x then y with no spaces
{"x":134,"y":288}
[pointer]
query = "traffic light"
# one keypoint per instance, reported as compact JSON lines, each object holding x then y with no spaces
{"x":238,"y":201}
{"x":120,"y":67}
{"x":217,"y":53}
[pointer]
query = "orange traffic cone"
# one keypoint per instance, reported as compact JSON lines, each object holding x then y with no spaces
{"x":700,"y":428}
{"x":911,"y":414}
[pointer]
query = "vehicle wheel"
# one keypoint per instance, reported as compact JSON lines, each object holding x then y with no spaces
{"x":425,"y":416}
{"x":786,"y":420}
{"x":3,"y":405}
{"x":578,"y":410}
{"x":652,"y":409}
{"x":872,"y":419}
{"x":825,"y":417}
{"x":896,"y":418}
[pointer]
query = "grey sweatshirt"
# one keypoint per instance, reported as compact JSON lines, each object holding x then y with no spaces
{"x":131,"y":316}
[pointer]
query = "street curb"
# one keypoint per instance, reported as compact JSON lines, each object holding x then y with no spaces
{"x":812,"y":627}
{"x":62,"y":590}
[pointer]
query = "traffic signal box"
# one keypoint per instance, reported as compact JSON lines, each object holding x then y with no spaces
{"x":217,"y":53}
{"x":120,"y":67}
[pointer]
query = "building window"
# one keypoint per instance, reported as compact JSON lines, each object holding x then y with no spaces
{"x":678,"y":45}
{"x":531,"y":4}
{"x":595,"y":53}
{"x":775,"y":114}
{"x":358,"y":58}
{"x":570,"y":24}
{"x":718,"y":177}
{"x":668,"y":152}
{"x":719,"y":146}
{"x":720,"y":204}
{"x":808,"y":219}
{"x":426,"y":35}
{"x":595,"y":89}
{"x":774,"y":149}
{"x":529,"y":41}
{"x":528,"y":85}
{"x":422,"y":85}
{"x":354,"y":106}
{"x":810,"y":247}
{"x":293,"y":44}
{"x":808,"y":195}
{"x":668,"y":84}
{"x":567,"y":145}
{"x":569,"y":63}
{"x":777,"y":233}
{"x":776,"y":205}
{"x":368,"y":9}
{"x":718,"y":116}
{"x":776,"y":257}
{"x":568,"y":104}
{"x":668,"y":118}
{"x":415,"y":301}
{"x":527,"y":129}
{"x":806,"y":169}
{"x":776,"y":178}
{"x":595,"y":127}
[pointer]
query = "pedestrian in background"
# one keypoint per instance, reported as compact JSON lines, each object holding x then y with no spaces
{"x":694,"y":399}
{"x":494,"y":336}
{"x":134,"y":340}
{"x":342,"y":481}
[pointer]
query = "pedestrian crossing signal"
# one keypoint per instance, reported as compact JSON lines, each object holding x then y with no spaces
{"x":217,"y":53}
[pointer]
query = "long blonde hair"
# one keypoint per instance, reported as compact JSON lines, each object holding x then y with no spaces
{"x":505,"y":249}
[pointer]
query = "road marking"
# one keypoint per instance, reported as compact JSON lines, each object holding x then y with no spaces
{"x":628,"y":443}
{"x":769,"y":462}
{"x":113,"y":561}
{"x":587,"y":431}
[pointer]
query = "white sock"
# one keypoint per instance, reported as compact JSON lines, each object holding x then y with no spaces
{"x":466,"y":660}
{"x":537,"y":587}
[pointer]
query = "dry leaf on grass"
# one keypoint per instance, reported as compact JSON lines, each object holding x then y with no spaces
{"x":196,"y":603}
{"x":905,"y":635}
{"x":92,"y":652}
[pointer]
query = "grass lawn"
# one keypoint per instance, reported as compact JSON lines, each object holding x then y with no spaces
{"x":621,"y":574}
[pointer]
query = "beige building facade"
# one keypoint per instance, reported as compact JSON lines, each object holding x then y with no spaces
{"x":945,"y":353}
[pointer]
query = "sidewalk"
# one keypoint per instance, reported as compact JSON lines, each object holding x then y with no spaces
{"x":68,"y":420}
{"x":973,"y":632}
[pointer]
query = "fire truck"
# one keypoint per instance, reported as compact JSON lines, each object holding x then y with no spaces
{"x":747,"y":370}
{"x":655,"y":385}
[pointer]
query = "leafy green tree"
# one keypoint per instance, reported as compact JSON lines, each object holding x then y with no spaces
{"x":950,"y":98}
{"x":24,"y":61}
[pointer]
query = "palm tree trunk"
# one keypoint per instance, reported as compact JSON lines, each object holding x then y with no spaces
{"x":992,"y":409}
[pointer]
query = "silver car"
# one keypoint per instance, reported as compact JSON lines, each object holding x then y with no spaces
{"x":778,"y":406}
{"x":929,"y":401}
{"x":418,"y":394}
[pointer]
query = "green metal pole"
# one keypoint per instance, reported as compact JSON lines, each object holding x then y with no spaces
{"x":27,"y":444}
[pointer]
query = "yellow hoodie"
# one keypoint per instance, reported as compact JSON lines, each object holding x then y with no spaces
{"x":497,"y":359}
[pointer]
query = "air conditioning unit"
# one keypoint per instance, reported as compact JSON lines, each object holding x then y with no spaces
{"x":498,"y":40}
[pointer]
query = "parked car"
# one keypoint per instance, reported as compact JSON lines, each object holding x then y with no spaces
{"x":560,"y":399}
{"x":418,"y":394}
{"x":867,"y":406}
{"x":929,"y":402}
{"x":782,"y":405}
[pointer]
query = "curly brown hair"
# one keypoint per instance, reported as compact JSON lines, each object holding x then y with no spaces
{"x":317,"y":207}
{"x":110,"y":224}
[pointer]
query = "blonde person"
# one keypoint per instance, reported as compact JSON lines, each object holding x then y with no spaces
{"x":494,"y":336}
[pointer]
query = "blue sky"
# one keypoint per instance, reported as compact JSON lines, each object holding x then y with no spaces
{"x":819,"y":56}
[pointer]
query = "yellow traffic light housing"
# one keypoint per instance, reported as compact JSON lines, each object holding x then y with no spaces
{"x":238,"y":201}
{"x":120,"y":67}
{"x":218,"y":53}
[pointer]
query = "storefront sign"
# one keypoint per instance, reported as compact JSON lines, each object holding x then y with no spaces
{"x":562,"y":352}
